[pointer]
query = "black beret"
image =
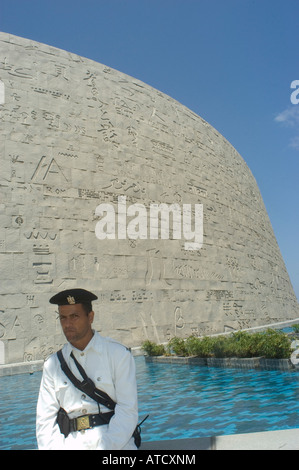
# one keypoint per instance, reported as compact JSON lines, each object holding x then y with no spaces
{"x":73,"y":296}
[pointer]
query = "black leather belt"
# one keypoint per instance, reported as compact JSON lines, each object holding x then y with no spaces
{"x":90,"y":421}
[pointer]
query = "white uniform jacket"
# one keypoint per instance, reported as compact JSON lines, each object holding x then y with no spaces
{"x":112,"y":369}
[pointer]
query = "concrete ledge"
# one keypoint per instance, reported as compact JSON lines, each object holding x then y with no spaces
{"x":228,"y":362}
{"x":21,"y":368}
{"x":287,"y":439}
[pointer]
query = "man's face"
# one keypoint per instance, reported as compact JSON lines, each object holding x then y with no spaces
{"x":75,"y":322}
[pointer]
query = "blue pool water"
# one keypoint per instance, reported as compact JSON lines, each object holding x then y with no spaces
{"x":182,"y":400}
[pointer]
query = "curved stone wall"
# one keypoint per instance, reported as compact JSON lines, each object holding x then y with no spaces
{"x":76,"y":134}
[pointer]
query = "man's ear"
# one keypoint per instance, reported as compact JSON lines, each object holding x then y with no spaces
{"x":91,"y":316}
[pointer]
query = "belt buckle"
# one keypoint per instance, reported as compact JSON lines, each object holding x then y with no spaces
{"x":83,"y":422}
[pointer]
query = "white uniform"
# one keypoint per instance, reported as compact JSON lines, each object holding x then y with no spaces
{"x":112,"y":369}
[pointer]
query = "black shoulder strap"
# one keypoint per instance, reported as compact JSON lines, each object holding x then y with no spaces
{"x":87,"y":386}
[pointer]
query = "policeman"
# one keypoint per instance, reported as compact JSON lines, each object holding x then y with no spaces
{"x":108,"y":364}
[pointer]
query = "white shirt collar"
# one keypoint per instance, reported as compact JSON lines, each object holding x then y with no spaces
{"x":96,"y":343}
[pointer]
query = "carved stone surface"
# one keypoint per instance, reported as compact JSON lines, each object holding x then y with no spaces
{"x":76,"y":134}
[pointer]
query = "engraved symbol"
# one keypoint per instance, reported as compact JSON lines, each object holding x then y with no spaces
{"x":45,"y":170}
{"x":2,"y":92}
{"x":2,"y":330}
{"x":43,"y":273}
{"x":19,"y":220}
{"x":178,"y":319}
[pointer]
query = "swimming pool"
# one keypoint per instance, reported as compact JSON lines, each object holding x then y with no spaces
{"x":183,"y":401}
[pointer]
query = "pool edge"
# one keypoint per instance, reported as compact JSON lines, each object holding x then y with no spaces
{"x":287,"y":439}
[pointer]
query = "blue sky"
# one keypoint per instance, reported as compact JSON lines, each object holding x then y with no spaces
{"x":230,"y":61}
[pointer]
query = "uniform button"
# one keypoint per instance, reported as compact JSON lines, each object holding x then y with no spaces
{"x":82,"y":354}
{"x":84,"y":411}
{"x":64,"y":383}
{"x":83,"y":396}
{"x":99,"y":379}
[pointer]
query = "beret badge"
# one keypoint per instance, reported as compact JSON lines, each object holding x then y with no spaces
{"x":71,"y":300}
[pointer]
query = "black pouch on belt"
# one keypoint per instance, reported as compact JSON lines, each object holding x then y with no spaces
{"x":63,"y":422}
